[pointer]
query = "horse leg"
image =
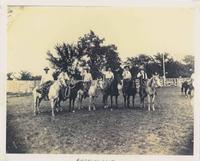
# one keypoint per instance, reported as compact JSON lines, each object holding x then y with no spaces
{"x":38,"y":104}
{"x":133,"y":100}
{"x":152,"y":101}
{"x":52,"y":107}
{"x":128,"y":101}
{"x":141,"y":101}
{"x":111,"y":102}
{"x":116,"y":102}
{"x":73,"y":102}
{"x":149,"y":102}
{"x":93,"y":104}
{"x":35,"y":105}
{"x":105,"y":101}
{"x":90,"y":103}
{"x":124,"y":101}
{"x":70,"y":104}
{"x":80,"y":102}
{"x":186,"y":89}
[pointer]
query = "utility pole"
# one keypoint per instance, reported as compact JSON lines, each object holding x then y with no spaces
{"x":164,"y":77}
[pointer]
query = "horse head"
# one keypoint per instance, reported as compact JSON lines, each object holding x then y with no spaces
{"x":156,"y":81}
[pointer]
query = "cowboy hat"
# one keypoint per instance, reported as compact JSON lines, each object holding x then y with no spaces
{"x":126,"y":67}
{"x":141,"y":68}
{"x":46,"y":68}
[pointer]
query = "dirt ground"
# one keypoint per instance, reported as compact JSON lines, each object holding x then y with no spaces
{"x":166,"y":131}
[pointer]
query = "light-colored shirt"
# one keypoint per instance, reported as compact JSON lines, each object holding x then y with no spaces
{"x":87,"y":77}
{"x":62,"y":77}
{"x":142,"y":75}
{"x":108,"y":75}
{"x":46,"y":77}
{"x":126,"y":75}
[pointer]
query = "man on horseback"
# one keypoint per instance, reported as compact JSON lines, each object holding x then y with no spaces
{"x":64,"y":79}
{"x":87,"y":80}
{"x":46,"y":82}
{"x":126,"y":75}
{"x":143,"y":79}
{"x":108,"y":75}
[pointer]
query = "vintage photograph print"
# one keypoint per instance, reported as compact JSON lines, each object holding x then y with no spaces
{"x":100,"y":80}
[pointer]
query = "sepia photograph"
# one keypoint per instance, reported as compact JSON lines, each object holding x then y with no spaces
{"x":100,"y":80}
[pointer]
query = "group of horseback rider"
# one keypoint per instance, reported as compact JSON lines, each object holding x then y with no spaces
{"x":107,"y":75}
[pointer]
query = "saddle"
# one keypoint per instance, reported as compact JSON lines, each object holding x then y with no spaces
{"x":43,"y":89}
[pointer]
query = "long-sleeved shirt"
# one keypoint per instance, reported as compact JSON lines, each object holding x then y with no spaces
{"x":126,"y":75}
{"x":142,"y":75}
{"x":46,"y":77}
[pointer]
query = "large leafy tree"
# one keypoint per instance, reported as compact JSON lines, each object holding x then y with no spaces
{"x":89,"y":49}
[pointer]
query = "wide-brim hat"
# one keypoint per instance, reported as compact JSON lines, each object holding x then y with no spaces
{"x":126,"y":67}
{"x":46,"y":68}
{"x":141,"y":68}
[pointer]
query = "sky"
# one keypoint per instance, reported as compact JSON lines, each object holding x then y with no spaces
{"x":32,"y":31}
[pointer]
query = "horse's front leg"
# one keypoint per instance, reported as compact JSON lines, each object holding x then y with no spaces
{"x":38,"y":104}
{"x":152,"y":101}
{"x":149,"y":102}
{"x":93,"y":103}
{"x":80,"y":102}
{"x":105,"y":101}
{"x":142,"y":102}
{"x":52,"y":107}
{"x":90,"y":103}
{"x":133,"y":100}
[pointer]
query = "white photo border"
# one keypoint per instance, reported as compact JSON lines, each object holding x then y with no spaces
{"x":75,"y":157}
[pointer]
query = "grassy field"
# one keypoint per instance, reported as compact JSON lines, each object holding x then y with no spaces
{"x":168,"y":130}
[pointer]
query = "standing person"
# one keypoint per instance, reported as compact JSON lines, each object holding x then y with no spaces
{"x":46,"y":82}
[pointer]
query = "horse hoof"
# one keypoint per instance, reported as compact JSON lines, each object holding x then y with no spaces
{"x":73,"y":111}
{"x":111,"y":109}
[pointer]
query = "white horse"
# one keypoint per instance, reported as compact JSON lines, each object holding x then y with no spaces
{"x":92,"y":92}
{"x":150,"y":92}
{"x":53,"y":95}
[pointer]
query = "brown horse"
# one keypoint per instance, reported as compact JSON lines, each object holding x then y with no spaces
{"x":110,"y":88}
{"x":149,"y":90}
{"x":129,"y":89}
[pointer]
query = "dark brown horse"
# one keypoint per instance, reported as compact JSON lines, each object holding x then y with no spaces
{"x":110,"y":88}
{"x":74,"y":88}
{"x":129,"y":90}
{"x":187,"y":87}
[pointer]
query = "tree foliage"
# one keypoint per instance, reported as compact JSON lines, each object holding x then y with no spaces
{"x":152,"y":64}
{"x":89,"y":49}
